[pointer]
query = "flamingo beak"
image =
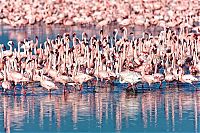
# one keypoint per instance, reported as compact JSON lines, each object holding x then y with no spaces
{"x":4,"y":47}
{"x":13,"y":44}
{"x":101,"y":32}
{"x":74,"y":34}
{"x":114,"y":32}
{"x":122,"y":29}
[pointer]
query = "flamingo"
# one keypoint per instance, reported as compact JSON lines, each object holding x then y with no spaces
{"x":1,"y":76}
{"x":80,"y":78}
{"x":9,"y":52}
{"x":6,"y":85}
{"x":147,"y":78}
{"x":63,"y":80}
{"x":158,"y":77}
{"x":17,"y":78}
{"x":187,"y":78}
{"x":169,"y":77}
{"x":96,"y":58}
{"x":130,"y":77}
{"x":49,"y":85}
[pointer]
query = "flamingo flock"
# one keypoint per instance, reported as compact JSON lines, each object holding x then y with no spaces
{"x":71,"y":61}
{"x":100,"y":12}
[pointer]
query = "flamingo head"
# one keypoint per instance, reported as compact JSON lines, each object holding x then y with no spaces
{"x":56,"y":87}
{"x":4,"y":47}
{"x":115,"y":31}
{"x":58,"y":37}
{"x":122,"y":29}
{"x":36,"y":37}
{"x":74,"y":34}
{"x":66,"y":35}
{"x":12,"y":44}
{"x":101,"y":32}
{"x":85,"y":34}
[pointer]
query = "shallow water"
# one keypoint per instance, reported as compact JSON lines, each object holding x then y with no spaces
{"x":48,"y":31}
{"x":109,"y":109}
{"x":165,"y":110}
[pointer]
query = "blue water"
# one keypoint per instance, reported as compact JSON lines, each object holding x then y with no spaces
{"x":170,"y":110}
{"x":109,"y":109}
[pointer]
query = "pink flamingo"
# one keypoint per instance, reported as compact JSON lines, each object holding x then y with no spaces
{"x":49,"y":85}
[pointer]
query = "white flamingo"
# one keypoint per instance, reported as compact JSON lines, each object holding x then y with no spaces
{"x":49,"y":85}
{"x":6,"y":85}
{"x":187,"y":78}
{"x":9,"y":52}
{"x":130,"y":77}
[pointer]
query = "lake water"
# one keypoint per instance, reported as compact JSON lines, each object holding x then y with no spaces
{"x":110,"y":109}
{"x":165,"y":110}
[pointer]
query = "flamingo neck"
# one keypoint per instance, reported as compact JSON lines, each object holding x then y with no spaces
{"x":125,"y":32}
{"x":74,"y":41}
{"x":5,"y":74}
{"x":156,"y":68}
{"x":117,"y":67}
{"x":116,"y":35}
{"x":74,"y":71}
{"x":10,"y":47}
{"x":42,"y":75}
{"x":1,"y":52}
{"x":59,"y":60}
{"x":18,"y":48}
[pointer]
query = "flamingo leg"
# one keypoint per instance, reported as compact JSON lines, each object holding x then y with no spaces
{"x":174,"y":83}
{"x":142,"y":85}
{"x":6,"y":92}
{"x":167,"y":83}
{"x":130,"y":87}
{"x":23,"y":91}
{"x":32,"y":90}
{"x":65,"y":88}
{"x":136,"y":87}
{"x":50,"y":92}
{"x":106,"y":83}
{"x":89,"y":83}
{"x":195,"y":86}
{"x":74,"y":88}
{"x":81,"y":87}
{"x":112,"y":85}
{"x":101,"y":82}
{"x":2,"y":89}
{"x":160,"y":86}
{"x":149,"y":86}
{"x":15,"y":91}
{"x":94,"y":82}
